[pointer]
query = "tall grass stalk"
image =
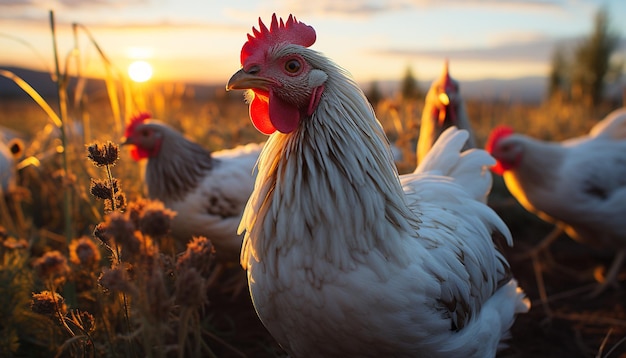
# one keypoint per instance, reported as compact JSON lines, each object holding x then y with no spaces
{"x":62,"y":103}
{"x":112,"y":74}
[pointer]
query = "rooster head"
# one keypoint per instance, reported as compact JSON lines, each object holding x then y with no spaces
{"x":284,"y":86}
{"x":144,"y":140}
{"x":507,"y":154}
{"x":447,"y":98}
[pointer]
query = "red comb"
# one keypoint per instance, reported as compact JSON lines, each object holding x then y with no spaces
{"x":292,"y":32}
{"x":136,"y":120}
{"x":446,"y":73}
{"x":496,"y":135}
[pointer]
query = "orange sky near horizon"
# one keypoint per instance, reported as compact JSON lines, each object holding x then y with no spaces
{"x":199,"y":42}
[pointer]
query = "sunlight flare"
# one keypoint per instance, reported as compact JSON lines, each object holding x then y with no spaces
{"x":140,"y":71}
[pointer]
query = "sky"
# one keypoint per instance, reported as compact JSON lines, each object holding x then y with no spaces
{"x":199,"y":41}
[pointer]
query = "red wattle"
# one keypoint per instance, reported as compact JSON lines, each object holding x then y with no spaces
{"x":285,"y":117}
{"x":134,"y":153}
{"x":498,"y":169}
{"x":260,"y":116}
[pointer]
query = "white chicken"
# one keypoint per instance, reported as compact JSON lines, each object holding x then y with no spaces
{"x":344,"y":257}
{"x":579,"y":183}
{"x":444,"y":107}
{"x":10,"y":152}
{"x":207,"y":190}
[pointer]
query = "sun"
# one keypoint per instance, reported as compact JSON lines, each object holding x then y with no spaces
{"x":140,"y":71}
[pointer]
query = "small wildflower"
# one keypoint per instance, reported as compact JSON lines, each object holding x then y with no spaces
{"x":103,"y":154}
{"x":48,"y":303}
{"x":156,"y":219}
{"x":52,"y":266}
{"x":84,"y":252}
{"x":199,"y":255}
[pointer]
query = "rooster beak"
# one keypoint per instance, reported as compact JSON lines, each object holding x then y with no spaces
{"x":244,"y":80}
{"x":126,"y":141}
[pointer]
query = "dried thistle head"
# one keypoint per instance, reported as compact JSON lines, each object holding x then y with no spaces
{"x":52,"y":266}
{"x":101,"y":189}
{"x":12,"y":243}
{"x":116,"y":279}
{"x":110,"y":192}
{"x":120,"y":200}
{"x":84,"y":252}
{"x":103,"y":154}
{"x":135,"y":209}
{"x":155,"y":219}
{"x":199,"y":255}
{"x":100,"y":232}
{"x":143,"y":250}
{"x":191,"y":288}
{"x":84,"y":320}
{"x":118,"y":227}
{"x":48,"y":303}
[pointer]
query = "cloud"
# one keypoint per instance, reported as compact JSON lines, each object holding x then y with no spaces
{"x":366,"y":8}
{"x":538,"y":50}
{"x":77,"y":4}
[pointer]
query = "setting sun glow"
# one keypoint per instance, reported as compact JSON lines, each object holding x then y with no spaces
{"x":140,"y":71}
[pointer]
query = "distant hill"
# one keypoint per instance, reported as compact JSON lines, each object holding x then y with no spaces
{"x":526,"y":89}
{"x":40,"y":81}
{"x":44,"y":85}
{"x":517,"y":90}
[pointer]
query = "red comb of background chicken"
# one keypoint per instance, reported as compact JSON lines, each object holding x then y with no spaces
{"x":497,"y":134}
{"x":135,"y":121}
{"x":292,"y":31}
{"x":446,"y":74}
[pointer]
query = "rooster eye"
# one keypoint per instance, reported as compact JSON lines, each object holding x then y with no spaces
{"x":292,"y":66}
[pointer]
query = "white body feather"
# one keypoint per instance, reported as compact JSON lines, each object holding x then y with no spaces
{"x":345,"y":258}
{"x":213,"y":209}
{"x":207,"y":190}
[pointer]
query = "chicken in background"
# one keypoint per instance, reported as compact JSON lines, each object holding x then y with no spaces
{"x":444,"y":107}
{"x":207,"y":190}
{"x":10,"y":152}
{"x":579,"y":183}
{"x":344,"y":257}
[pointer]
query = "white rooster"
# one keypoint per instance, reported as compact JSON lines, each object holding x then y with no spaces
{"x":207,"y":190}
{"x":444,"y":107}
{"x":579,"y":183}
{"x":344,"y":257}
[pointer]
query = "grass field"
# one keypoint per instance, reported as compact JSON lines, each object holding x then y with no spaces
{"x":137,"y":304}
